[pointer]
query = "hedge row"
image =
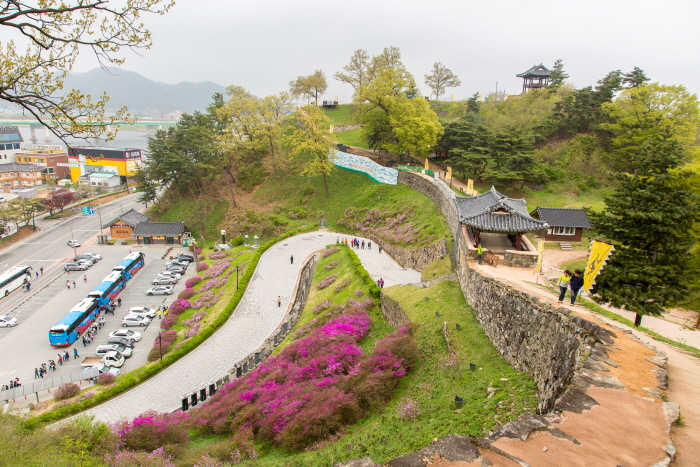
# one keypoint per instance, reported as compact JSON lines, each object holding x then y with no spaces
{"x":131,"y":379}
{"x":374,"y":290}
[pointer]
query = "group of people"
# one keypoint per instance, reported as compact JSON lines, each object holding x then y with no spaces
{"x":14,"y":383}
{"x":90,"y":334}
{"x":162,"y":311}
{"x":568,"y":282}
{"x":40,"y":371}
{"x":380,"y":283}
{"x":355,"y":243}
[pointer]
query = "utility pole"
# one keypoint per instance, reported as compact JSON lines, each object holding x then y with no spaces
{"x":75,"y":253}
{"x":99,"y":231}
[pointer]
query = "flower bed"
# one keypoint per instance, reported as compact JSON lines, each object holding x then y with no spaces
{"x":332,"y":264}
{"x":329,"y":251}
{"x":388,"y":226}
{"x":326,"y":282}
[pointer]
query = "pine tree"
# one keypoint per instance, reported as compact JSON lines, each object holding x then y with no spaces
{"x":558,"y":75}
{"x":650,"y":219}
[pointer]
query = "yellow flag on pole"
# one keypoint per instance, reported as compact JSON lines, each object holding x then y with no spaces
{"x":540,"y":254}
{"x":596,"y":261}
{"x":449,"y":172}
{"x":427,"y":164}
{"x":470,"y":187}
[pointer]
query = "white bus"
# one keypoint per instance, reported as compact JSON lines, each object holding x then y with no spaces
{"x":14,"y":278}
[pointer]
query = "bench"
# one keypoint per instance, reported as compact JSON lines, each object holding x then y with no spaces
{"x":490,"y":258}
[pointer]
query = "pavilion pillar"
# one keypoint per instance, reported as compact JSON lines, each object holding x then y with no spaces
{"x":518,"y":241}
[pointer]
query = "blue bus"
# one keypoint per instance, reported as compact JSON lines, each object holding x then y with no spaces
{"x":132,"y":263}
{"x":80,"y":317}
{"x":108,"y":288}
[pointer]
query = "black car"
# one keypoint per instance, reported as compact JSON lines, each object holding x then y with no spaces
{"x":187,"y":258}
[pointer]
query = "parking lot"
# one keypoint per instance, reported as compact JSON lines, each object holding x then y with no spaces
{"x":26,"y":346}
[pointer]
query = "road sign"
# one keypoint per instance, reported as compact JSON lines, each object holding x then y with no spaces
{"x":87,"y":210}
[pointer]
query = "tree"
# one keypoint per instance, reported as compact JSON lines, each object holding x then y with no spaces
{"x":59,"y":199}
{"x":650,"y":219}
{"x":415,"y":126}
{"x":311,"y":137}
{"x":440,"y":79}
{"x":310,"y":86}
{"x":557,"y":76}
{"x":645,"y":112}
{"x":357,"y":71}
{"x":273,"y":109}
{"x":634,"y":78}
{"x":56,"y":31}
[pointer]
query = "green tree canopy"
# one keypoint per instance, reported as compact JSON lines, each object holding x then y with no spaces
{"x":558,"y":75}
{"x":650,"y":218}
{"x":440,"y":79}
{"x":310,"y":86}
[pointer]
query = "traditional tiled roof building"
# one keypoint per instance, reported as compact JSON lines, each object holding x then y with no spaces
{"x":564,"y":224}
{"x":535,"y":78}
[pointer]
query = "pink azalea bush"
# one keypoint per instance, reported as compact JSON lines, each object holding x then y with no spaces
{"x":359,"y":292}
{"x":192,"y":281}
{"x":66,"y":391}
{"x":156,"y":458}
{"x":219,"y":254}
{"x":332,"y":264}
{"x":167,"y":322}
{"x":202,"y":267}
{"x":326,"y":282}
{"x":391,"y":227}
{"x":218,"y":268}
{"x":214,"y":283}
{"x":342,"y":285}
{"x":315,"y":387}
{"x":324,"y":305}
{"x":151,"y":431}
{"x":205,"y":300}
{"x":162,"y":344}
{"x":186,"y":294}
{"x":329,"y":251}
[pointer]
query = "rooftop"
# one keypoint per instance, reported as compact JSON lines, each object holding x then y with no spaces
{"x":493,"y":211}
{"x":130,"y":217}
{"x":561,"y":217}
{"x":169,"y":229}
{"x":537,"y":71}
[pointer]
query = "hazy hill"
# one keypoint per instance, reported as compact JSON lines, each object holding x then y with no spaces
{"x":142,"y":94}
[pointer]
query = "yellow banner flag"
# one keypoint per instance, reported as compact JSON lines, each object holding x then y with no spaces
{"x":596,"y":260}
{"x":449,"y":172}
{"x":427,"y":164}
{"x":470,"y":186}
{"x":540,"y":254}
{"x":331,"y":129}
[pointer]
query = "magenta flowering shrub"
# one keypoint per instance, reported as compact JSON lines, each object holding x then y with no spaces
{"x":200,"y":258}
{"x":87,"y":395}
{"x":66,"y":391}
{"x":167,"y":322}
{"x":329,"y":251}
{"x":199,"y":251}
{"x":218,"y":268}
{"x":152,"y":430}
{"x":192,"y":281}
{"x":186,"y":294}
{"x":161,"y":344}
{"x":391,"y":227}
{"x":182,"y":303}
{"x":326,"y":282}
{"x":324,"y":305}
{"x":202,"y":267}
{"x":205,"y":300}
{"x":359,"y":292}
{"x":105,"y":379}
{"x":332,"y":264}
{"x":342,"y":285}
{"x":214,"y":283}
{"x":219,"y":254}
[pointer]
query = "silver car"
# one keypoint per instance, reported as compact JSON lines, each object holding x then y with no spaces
{"x":160,"y":290}
{"x":75,"y":267}
{"x":164,"y":280}
{"x":126,"y":334}
{"x":120,"y":349}
{"x":135,"y":320}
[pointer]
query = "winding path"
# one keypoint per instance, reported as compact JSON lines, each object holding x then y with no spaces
{"x":254,"y":320}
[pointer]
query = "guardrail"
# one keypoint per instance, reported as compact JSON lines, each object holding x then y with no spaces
{"x":47,"y":384}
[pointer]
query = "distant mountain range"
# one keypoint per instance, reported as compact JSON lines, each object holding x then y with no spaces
{"x":142,"y":95}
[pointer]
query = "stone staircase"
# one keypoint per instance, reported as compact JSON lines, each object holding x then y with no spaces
{"x":566,"y":246}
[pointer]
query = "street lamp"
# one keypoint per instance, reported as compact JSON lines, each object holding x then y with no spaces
{"x":223,"y":236}
{"x":73,"y":241}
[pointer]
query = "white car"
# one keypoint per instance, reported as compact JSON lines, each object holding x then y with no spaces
{"x":95,"y":256}
{"x":142,"y":311}
{"x":160,"y":280}
{"x":160,"y":290}
{"x":7,"y":322}
{"x":135,"y":320}
{"x":73,"y":243}
{"x":85,"y":262}
{"x":170,"y":274}
{"x":126,"y":334}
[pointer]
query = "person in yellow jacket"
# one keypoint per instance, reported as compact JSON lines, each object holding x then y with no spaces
{"x":480,"y":254}
{"x":563,"y":284}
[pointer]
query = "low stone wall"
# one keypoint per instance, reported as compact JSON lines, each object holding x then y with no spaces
{"x":438,"y":192}
{"x":520,"y":259}
{"x":340,"y":129}
{"x":546,"y":341}
{"x":393,"y":313}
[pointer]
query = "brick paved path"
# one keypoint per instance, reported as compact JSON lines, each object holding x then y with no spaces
{"x":254,"y":320}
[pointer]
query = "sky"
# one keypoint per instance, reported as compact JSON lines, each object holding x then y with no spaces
{"x":263,"y":44}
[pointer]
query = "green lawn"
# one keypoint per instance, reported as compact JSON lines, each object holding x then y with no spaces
{"x":342,"y":115}
{"x":351,"y":138}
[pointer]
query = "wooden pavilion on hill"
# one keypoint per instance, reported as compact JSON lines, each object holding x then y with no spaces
{"x":495,"y":212}
{"x":535,"y":78}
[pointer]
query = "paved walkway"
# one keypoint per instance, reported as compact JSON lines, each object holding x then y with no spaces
{"x":254,"y":320}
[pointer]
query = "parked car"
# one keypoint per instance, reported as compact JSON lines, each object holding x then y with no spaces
{"x":177,"y":264}
{"x":7,"y":322}
{"x":127,"y":334}
{"x":174,"y":269}
{"x":120,"y":341}
{"x":168,"y":275}
{"x":94,"y":255}
{"x":86,"y":262}
{"x":120,"y":349}
{"x":102,"y":368}
{"x":168,"y":272}
{"x":85,"y":258}
{"x":164,"y":280}
{"x":187,"y":258}
{"x":134,"y":320}
{"x":160,"y":290}
{"x":142,"y":311}
{"x":75,"y":267}
{"x":73,"y":243}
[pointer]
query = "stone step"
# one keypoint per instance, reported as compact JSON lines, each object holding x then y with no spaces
{"x":565,"y":246}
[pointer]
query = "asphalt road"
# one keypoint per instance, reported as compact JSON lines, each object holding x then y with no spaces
{"x":25,"y":346}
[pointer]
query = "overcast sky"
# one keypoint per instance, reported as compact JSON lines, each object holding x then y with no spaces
{"x":263,"y":44}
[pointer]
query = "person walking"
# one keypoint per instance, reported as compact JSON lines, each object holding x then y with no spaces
{"x":363,"y":244}
{"x":84,"y":278}
{"x":41,"y":270}
{"x":36,"y":274}
{"x":563,"y":284}
{"x":160,"y":313}
{"x":119,"y":302}
{"x":75,"y":353}
{"x":66,"y":356}
{"x":292,"y":259}
{"x":60,"y":361}
{"x":73,"y":284}
{"x":29,"y":286}
{"x":36,"y":373}
{"x":381,"y":283}
{"x":369,"y":245}
{"x":480,"y":254}
{"x":380,"y":249}
{"x":576,"y":284}
{"x":68,"y":285}
{"x":279,"y":301}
